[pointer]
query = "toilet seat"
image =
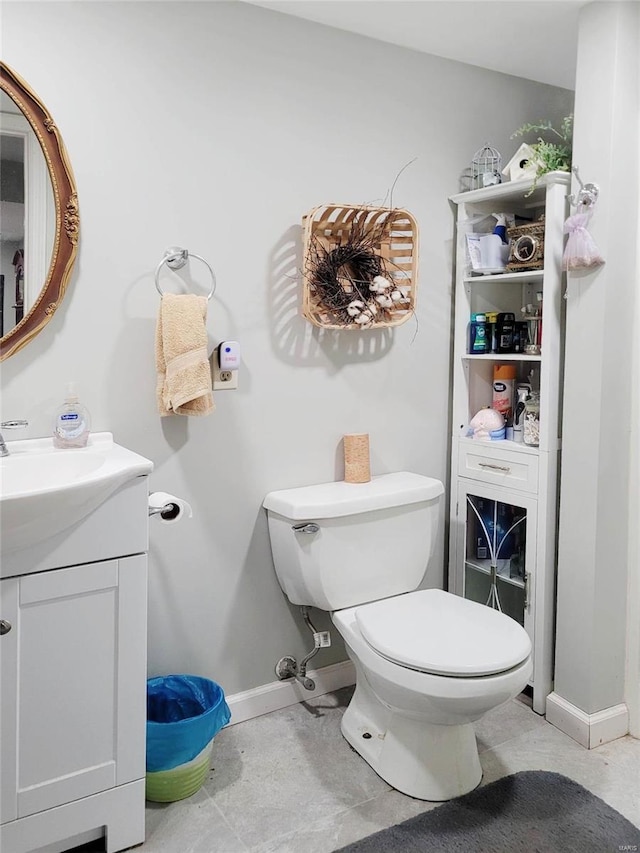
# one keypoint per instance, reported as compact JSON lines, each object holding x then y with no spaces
{"x":435,"y":632}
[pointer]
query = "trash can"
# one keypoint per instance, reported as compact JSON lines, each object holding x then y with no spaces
{"x":184,"y":713}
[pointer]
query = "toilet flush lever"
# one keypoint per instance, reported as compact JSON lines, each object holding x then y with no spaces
{"x":307,"y":527}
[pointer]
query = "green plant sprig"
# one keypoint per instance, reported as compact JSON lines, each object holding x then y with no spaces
{"x":550,"y":156}
{"x":565,"y":133}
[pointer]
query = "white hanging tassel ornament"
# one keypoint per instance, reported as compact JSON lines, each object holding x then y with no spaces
{"x":581,"y":252}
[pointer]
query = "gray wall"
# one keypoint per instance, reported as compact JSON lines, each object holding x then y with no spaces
{"x":597,"y":555}
{"x":215,"y":126}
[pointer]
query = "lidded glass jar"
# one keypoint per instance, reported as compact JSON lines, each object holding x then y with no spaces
{"x":531,"y":424}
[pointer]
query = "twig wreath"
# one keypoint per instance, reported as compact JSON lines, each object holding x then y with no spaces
{"x":360,"y":266}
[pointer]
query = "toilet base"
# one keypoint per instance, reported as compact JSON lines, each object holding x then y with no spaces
{"x":423,"y":760}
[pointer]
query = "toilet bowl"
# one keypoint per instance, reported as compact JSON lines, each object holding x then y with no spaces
{"x":428,"y":663}
{"x":413,"y":723}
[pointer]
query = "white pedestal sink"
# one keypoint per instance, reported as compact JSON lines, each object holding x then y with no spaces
{"x":45,"y":490}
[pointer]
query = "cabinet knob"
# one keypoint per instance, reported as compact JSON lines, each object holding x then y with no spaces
{"x":5,"y":627}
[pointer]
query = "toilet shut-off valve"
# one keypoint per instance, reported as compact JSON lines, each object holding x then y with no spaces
{"x":287,"y":667}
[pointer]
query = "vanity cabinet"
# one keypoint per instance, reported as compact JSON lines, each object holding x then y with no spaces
{"x":504,"y":494}
{"x":73,"y":688}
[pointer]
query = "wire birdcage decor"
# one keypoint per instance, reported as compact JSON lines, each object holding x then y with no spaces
{"x":486,"y":168}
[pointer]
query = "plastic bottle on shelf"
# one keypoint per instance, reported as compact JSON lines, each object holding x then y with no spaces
{"x":506,"y":331}
{"x":492,"y":330}
{"x":522,"y":392}
{"x":478,"y":340}
{"x":504,"y":377}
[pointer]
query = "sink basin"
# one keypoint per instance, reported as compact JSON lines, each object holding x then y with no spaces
{"x":45,"y":490}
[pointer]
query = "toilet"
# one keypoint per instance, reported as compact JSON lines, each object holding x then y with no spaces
{"x":428,"y":663}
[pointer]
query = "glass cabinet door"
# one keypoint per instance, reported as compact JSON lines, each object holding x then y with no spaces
{"x":496,"y":548}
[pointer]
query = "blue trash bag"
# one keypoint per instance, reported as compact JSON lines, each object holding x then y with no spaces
{"x":184,"y":712}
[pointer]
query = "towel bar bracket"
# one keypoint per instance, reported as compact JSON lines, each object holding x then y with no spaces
{"x":176,"y":258}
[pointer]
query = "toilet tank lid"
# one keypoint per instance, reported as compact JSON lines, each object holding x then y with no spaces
{"x":333,"y":500}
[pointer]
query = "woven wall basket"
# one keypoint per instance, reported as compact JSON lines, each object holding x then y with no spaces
{"x":390,"y":238}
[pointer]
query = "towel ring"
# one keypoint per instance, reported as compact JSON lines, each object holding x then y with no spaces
{"x":176,"y":258}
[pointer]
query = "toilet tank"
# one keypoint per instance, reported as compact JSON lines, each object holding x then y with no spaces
{"x":336,"y":545}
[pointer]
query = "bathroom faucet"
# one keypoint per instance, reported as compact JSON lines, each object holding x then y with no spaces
{"x":4,"y":450}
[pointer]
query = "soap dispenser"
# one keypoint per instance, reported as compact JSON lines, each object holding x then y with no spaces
{"x":72,"y":423}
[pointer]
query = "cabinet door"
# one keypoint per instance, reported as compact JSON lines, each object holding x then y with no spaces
{"x":496,"y":550}
{"x":73,"y":684}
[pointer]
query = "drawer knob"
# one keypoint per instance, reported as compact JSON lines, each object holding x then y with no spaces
{"x":505,"y":468}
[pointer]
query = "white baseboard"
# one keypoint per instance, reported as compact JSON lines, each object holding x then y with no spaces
{"x":281,"y":694}
{"x":589,"y":730}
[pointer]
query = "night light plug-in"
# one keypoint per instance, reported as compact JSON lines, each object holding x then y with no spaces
{"x":229,"y":355}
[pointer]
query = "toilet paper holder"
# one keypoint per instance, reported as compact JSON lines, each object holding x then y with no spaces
{"x":170,"y":508}
{"x":168,"y":511}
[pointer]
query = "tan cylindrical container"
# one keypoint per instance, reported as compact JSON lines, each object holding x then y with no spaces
{"x":356,"y":458}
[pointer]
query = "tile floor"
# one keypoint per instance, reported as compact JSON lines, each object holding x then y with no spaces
{"x":288,"y":782}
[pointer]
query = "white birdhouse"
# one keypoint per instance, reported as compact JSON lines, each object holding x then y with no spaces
{"x":522,"y":164}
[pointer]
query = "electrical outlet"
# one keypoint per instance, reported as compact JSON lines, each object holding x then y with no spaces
{"x":223,"y":380}
{"x":322,"y":639}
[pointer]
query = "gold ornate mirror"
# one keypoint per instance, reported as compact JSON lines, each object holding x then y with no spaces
{"x":39,"y":222}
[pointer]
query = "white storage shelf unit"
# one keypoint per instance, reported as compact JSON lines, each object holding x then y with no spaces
{"x":506,"y":471}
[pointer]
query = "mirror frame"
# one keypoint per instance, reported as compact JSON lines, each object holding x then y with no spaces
{"x":65,"y":199}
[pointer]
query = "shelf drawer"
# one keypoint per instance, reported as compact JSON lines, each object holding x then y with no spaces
{"x":490,"y":464}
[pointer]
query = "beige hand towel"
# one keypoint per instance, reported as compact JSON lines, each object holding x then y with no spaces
{"x":184,"y":374}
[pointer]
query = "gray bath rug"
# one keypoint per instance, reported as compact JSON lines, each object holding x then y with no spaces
{"x":529,"y":812}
